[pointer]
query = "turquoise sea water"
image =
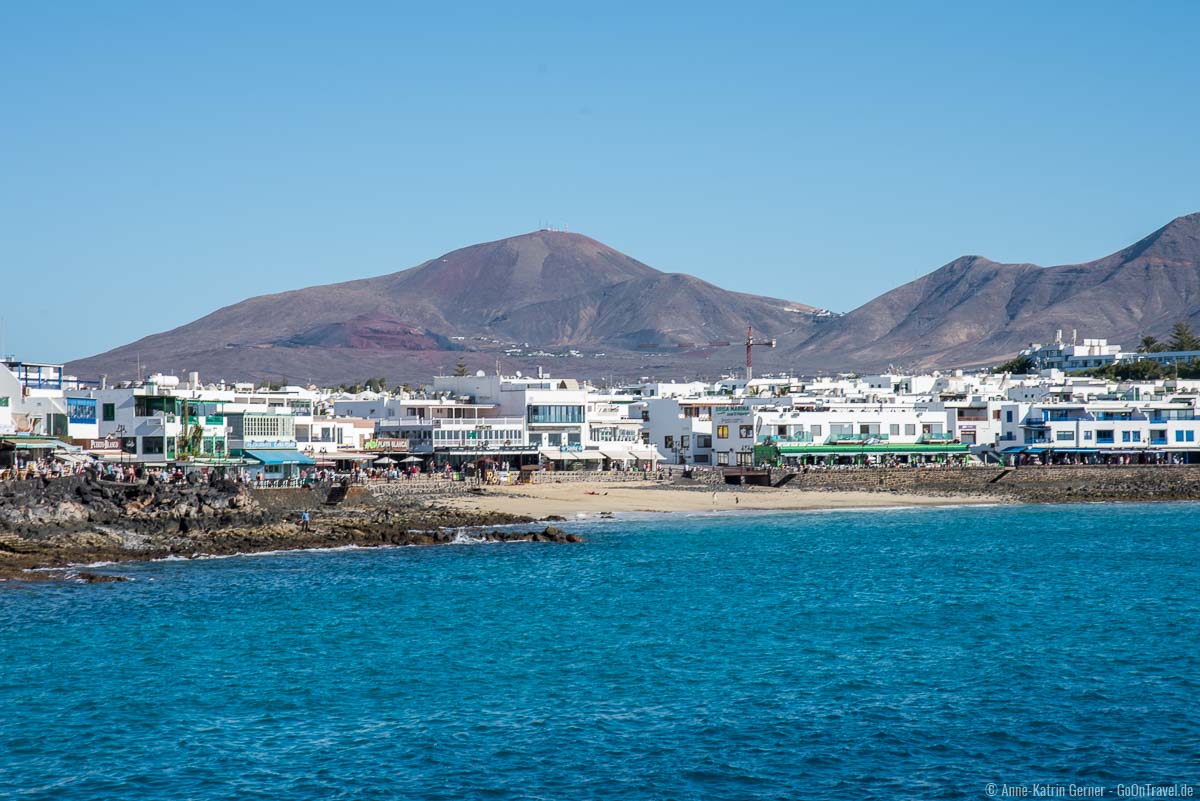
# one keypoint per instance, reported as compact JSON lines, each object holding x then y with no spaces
{"x":849,"y":655}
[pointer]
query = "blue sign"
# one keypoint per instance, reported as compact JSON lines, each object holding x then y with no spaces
{"x":81,"y":410}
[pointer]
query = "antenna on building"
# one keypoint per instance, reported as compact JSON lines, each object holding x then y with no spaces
{"x":1074,"y":335}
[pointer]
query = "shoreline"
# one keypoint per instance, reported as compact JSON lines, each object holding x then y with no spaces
{"x":567,"y":500}
{"x":71,"y":526}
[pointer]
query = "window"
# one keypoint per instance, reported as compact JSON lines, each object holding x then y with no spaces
{"x":685,"y":441}
{"x":1008,"y":416}
{"x":152,"y":405}
{"x":1185,"y":436}
{"x":910,"y":429}
{"x":554,"y":414}
{"x":723,"y":433}
{"x":152,"y":445}
{"x":1137,"y":436}
{"x":1064,"y":436}
{"x":1125,"y":436}
{"x":109,"y":412}
{"x":1087,"y":435}
{"x":1104,"y":436}
{"x":816,"y":429}
{"x":703,"y":440}
{"x":668,"y":442}
{"x":996,"y":415}
{"x":745,"y":432}
{"x":81,"y":410}
{"x":723,"y":457}
{"x":894,"y":429}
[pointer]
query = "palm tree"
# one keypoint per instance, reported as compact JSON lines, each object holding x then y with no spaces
{"x":1149,"y":345}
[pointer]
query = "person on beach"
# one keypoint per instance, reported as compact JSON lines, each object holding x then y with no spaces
{"x":304,"y":521}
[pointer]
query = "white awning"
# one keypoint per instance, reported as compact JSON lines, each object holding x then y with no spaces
{"x":335,"y":456}
{"x":618,"y":455}
{"x":558,"y":455}
{"x":647,"y":455}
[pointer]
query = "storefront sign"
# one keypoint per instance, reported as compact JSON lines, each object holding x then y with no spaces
{"x":386,"y":444}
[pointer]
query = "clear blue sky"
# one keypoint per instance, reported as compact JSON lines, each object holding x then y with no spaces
{"x":158,"y":161}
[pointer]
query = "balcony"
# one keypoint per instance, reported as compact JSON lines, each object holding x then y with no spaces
{"x":793,"y":439}
{"x":474,"y":423}
{"x":209,"y":420}
{"x":854,"y":439}
{"x":930,"y":438}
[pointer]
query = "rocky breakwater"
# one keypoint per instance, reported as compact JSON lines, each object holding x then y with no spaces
{"x":81,"y":502}
{"x":1029,"y":484}
{"x":82,"y":520}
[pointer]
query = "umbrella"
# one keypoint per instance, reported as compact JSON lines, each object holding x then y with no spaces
{"x":409,"y":459}
{"x":385,"y":460}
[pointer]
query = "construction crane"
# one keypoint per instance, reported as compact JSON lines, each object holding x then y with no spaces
{"x":751,"y":344}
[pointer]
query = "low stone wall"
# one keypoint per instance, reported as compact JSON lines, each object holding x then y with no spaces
{"x":1035,"y":484}
{"x":405,"y":489}
{"x":290,"y":499}
{"x":572,"y":476}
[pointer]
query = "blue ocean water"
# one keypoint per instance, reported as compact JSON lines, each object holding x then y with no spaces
{"x":850,"y":655}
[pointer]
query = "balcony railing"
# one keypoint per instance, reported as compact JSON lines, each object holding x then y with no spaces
{"x":855,"y":438}
{"x":931,"y":438}
{"x":792,"y":439}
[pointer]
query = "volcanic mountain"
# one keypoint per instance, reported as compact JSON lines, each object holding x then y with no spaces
{"x":525,"y":299}
{"x":974,"y":311}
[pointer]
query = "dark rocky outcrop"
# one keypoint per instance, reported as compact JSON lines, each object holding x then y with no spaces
{"x":82,"y":520}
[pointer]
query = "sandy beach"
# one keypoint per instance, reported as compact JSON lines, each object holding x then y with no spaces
{"x":574,"y":498}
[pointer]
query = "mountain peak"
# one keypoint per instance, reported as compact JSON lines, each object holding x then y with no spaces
{"x":1175,"y":244}
{"x":522,"y":293}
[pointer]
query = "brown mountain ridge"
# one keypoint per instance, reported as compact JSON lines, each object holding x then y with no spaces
{"x":572,"y":304}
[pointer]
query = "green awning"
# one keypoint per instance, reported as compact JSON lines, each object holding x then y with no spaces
{"x":818,"y":450}
{"x":36,"y":444}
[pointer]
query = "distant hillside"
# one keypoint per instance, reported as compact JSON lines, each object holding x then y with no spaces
{"x":574,"y":305}
{"x":507,"y":299}
{"x":975,"y":311}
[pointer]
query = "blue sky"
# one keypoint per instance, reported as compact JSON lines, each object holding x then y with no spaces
{"x":159,"y":161}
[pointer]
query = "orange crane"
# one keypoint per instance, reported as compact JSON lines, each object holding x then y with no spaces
{"x":751,"y":344}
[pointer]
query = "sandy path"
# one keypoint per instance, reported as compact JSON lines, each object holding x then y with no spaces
{"x":570,"y":499}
